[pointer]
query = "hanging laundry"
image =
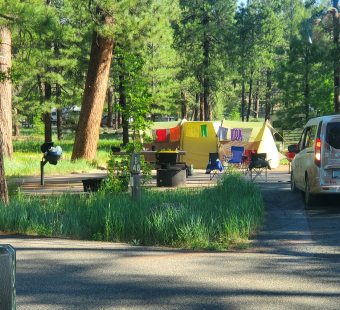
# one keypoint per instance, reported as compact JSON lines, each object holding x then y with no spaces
{"x":175,"y":134}
{"x":246,"y":134}
{"x":223,"y":133}
{"x":193,"y":131}
{"x":204,"y":130}
{"x":236,"y":134}
{"x":161,"y":135}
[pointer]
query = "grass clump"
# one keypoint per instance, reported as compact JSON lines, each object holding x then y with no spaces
{"x":210,"y":219}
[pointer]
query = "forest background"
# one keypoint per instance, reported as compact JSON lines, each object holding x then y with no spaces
{"x":192,"y":59}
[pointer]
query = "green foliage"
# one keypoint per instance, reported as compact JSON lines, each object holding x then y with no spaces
{"x":209,"y":219}
{"x":119,"y":167}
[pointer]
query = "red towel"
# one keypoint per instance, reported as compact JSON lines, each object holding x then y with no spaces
{"x":161,"y":135}
{"x":175,"y":134}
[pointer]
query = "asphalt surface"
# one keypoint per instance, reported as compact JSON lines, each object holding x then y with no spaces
{"x":293,"y":263}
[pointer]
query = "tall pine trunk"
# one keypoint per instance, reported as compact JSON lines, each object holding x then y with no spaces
{"x":243,"y":101}
{"x":6,"y":94}
{"x":257,"y":101}
{"x":306,"y":94}
{"x":59,"y":114}
{"x":206,"y":81}
{"x":122,"y":103}
{"x":184,"y":104}
{"x":47,"y":115}
{"x":109,"y":107}
{"x":268,"y":90}
{"x":201,"y":107}
{"x":250,"y":97}
{"x":87,"y":134}
{"x":16,"y":128}
{"x":196,"y":111}
{"x":336,"y":59}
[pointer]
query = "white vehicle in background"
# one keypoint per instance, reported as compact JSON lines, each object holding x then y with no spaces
{"x":316,"y":166}
{"x":54,"y":117}
{"x":70,"y":115}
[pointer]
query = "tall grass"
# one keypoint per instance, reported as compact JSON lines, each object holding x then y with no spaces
{"x":211,"y":218}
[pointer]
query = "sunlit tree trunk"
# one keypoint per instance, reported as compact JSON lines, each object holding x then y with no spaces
{"x":87,"y":134}
{"x":6,"y":93}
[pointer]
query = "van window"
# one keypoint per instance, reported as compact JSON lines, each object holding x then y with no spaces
{"x":311,"y":137}
{"x":302,"y":140}
{"x":333,"y":135}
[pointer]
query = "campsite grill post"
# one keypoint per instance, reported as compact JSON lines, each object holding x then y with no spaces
{"x":7,"y":277}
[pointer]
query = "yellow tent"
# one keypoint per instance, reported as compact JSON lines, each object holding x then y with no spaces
{"x":198,"y":143}
{"x":198,"y":139}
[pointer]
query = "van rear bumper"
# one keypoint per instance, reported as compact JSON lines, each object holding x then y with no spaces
{"x":325,"y":189}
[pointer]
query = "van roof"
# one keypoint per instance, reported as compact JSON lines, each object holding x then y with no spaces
{"x":325,"y":119}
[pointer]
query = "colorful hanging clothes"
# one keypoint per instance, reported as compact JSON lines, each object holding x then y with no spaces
{"x":223,"y":133}
{"x":161,"y":135}
{"x":175,"y":134}
{"x":193,"y":131}
{"x":246,"y":134}
{"x":204,"y":130}
{"x":236,"y":134}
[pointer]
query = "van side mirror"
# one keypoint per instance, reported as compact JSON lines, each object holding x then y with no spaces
{"x":293,"y":148}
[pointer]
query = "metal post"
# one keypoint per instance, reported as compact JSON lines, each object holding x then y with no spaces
{"x":42,"y":172}
{"x":135,"y":177}
{"x":7,"y":277}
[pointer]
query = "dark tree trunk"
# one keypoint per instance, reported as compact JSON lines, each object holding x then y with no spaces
{"x":47,"y":116}
{"x":257,"y":101}
{"x":307,"y":84}
{"x":122,"y":103}
{"x":184,"y":104}
{"x":6,"y":93}
{"x":268,"y":90}
{"x":196,"y":111}
{"x":109,"y":107}
{"x":336,"y":59}
{"x":87,"y":135}
{"x":206,"y":80}
{"x":16,"y":127}
{"x":201,"y":107}
{"x":249,"y":98}
{"x":59,"y":114}
{"x":117,"y":115}
{"x":243,"y":101}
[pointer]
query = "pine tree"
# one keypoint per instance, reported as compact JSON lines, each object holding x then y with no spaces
{"x":202,"y":33}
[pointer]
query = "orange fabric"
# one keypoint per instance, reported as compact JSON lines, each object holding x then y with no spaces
{"x":175,"y":134}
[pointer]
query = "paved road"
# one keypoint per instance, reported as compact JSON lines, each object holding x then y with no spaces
{"x":291,"y":265}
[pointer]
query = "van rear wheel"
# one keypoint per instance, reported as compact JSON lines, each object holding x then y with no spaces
{"x":308,"y":198}
{"x":292,"y":183}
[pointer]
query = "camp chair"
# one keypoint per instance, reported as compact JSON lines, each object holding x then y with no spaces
{"x":214,"y":165}
{"x":257,"y":165}
{"x":246,"y":159}
{"x":237,"y":156}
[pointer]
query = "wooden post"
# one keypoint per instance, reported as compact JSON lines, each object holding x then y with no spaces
{"x":135,"y":177}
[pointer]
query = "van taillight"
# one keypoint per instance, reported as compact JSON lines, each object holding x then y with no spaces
{"x":317,"y":158}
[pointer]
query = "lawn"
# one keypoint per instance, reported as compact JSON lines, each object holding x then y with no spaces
{"x":27,"y":155}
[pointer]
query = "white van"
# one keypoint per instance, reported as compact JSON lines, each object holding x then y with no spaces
{"x":316,"y":166}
